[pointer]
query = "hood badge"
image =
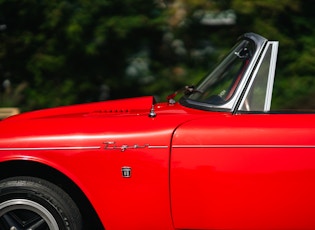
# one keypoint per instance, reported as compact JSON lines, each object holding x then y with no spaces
{"x":111,"y":145}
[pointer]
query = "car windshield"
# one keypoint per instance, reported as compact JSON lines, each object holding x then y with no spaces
{"x":218,"y":87}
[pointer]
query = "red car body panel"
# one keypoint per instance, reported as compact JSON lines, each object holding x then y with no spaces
{"x":221,"y":161}
{"x":249,"y":169}
{"x":92,"y":155}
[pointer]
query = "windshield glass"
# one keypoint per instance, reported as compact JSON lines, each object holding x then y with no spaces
{"x":219,"y":86}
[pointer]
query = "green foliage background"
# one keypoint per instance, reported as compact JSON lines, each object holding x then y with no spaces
{"x":74,"y":51}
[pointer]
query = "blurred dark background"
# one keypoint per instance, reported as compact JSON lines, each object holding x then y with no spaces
{"x":65,"y":52}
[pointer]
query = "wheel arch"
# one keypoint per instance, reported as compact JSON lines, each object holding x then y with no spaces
{"x":34,"y":169}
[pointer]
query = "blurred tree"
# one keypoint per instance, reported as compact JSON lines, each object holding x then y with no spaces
{"x":64,"y":52}
{"x":67,"y":50}
{"x":290,"y":22}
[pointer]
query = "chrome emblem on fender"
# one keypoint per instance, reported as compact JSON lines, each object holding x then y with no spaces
{"x":111,"y":145}
{"x":126,"y":171}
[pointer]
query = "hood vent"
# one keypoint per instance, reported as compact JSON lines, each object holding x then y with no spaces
{"x":113,"y":111}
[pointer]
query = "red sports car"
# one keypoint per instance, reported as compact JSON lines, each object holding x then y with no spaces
{"x":217,"y":159}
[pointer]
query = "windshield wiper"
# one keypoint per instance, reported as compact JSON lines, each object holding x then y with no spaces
{"x":187,"y":91}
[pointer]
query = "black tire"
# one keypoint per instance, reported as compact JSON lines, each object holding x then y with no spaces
{"x":33,"y":203}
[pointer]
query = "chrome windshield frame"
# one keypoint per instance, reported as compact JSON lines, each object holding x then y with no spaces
{"x":232,"y":104}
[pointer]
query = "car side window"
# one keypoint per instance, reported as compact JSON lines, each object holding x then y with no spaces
{"x":258,"y":96}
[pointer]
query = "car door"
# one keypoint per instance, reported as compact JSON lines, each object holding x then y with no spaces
{"x":244,"y":171}
{"x":245,"y":168}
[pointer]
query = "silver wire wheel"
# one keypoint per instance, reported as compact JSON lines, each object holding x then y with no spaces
{"x":26,"y":214}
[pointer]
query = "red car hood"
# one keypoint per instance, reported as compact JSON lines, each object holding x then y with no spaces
{"x":123,"y":122}
{"x":130,"y":106}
